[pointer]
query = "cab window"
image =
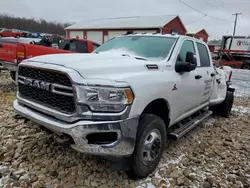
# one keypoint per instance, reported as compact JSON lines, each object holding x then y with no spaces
{"x":187,"y":46}
{"x":81,"y":47}
{"x":204,"y":55}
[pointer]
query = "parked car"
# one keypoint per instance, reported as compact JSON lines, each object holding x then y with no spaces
{"x":127,"y":98}
{"x":14,"y":51}
{"x":10,"y":33}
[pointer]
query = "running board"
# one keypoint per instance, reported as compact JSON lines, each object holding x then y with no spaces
{"x":185,"y":128}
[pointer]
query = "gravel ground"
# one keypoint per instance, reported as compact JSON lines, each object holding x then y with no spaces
{"x":214,"y":154}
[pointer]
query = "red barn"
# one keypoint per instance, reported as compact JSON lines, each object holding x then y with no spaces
{"x":199,"y":34}
{"x":101,"y":30}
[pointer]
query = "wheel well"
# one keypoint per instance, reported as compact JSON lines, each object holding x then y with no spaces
{"x":159,"y":107}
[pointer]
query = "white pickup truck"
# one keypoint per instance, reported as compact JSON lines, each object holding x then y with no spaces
{"x":127,"y":97}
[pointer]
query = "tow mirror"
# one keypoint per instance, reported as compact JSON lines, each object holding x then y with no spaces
{"x":186,"y":66}
{"x":190,"y":58}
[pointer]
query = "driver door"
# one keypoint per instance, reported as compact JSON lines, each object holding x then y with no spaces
{"x":189,"y":84}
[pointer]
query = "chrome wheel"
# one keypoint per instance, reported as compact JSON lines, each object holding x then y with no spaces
{"x":152,"y":147}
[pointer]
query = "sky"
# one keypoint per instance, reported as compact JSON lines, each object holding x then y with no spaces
{"x":213,"y":15}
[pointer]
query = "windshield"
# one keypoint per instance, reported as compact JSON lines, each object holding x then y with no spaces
{"x":150,"y":47}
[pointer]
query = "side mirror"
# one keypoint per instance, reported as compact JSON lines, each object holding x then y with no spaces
{"x":190,"y":58}
{"x":189,"y":65}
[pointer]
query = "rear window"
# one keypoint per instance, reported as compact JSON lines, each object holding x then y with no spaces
{"x":81,"y":47}
{"x":74,"y":45}
{"x":204,"y":56}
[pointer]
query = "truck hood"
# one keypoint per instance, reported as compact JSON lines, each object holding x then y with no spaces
{"x":103,"y":65}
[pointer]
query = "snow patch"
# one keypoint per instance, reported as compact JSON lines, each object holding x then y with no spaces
{"x":157,"y":175}
{"x":209,"y":121}
{"x":242,"y":110}
{"x":241,"y":82}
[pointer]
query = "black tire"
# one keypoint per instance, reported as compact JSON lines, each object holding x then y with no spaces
{"x":148,"y":125}
{"x":246,"y":66}
{"x":224,"y":109}
{"x":13,"y":75}
{"x":18,"y":36}
{"x":1,"y":36}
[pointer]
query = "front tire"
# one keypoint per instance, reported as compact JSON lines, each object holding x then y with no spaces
{"x":150,"y":144}
{"x":224,"y":109}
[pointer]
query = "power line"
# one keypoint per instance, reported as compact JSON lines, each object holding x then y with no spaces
{"x":214,"y":5}
{"x":208,"y":2}
{"x":202,"y":12}
{"x":193,"y":8}
{"x":197,"y":20}
{"x":221,"y":4}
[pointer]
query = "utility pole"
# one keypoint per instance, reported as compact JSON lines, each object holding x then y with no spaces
{"x":235,"y":23}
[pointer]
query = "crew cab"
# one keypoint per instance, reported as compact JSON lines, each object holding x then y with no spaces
{"x":127,"y":97}
{"x":10,"y":33}
{"x":13,"y":51}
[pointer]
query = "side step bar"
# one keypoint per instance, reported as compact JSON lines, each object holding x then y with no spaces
{"x":185,"y":128}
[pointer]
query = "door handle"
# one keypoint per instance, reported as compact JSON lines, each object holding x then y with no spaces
{"x":198,"y":77}
{"x":212,"y":74}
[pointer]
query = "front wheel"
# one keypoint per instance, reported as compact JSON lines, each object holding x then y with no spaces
{"x":18,"y":36}
{"x":150,"y":144}
{"x":1,"y":36}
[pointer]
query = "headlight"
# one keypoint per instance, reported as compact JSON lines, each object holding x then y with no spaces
{"x":104,"y":99}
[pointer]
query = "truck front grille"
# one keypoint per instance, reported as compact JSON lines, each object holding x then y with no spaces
{"x":45,"y":75}
{"x":61,"y":100}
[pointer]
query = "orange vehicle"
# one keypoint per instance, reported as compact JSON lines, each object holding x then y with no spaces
{"x":12,"y":52}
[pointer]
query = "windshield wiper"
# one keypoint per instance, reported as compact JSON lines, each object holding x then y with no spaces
{"x":140,"y":58}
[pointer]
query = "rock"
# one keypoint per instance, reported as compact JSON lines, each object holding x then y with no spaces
{"x":4,"y":169}
{"x":231,"y":177}
{"x":106,"y":186}
{"x":19,"y":172}
{"x":53,"y":174}
{"x":87,"y":182}
{"x":94,"y":184}
{"x":33,"y":178}
{"x":5,"y":180}
{"x":155,"y":181}
{"x":111,"y":183}
{"x":36,"y":168}
{"x":181,"y":180}
{"x":103,"y":181}
{"x":15,"y":177}
{"x":177,"y":173}
{"x":186,"y":172}
{"x":37,"y":184}
{"x":25,"y":177}
{"x":162,"y":183}
{"x":207,"y":185}
{"x":41,"y":177}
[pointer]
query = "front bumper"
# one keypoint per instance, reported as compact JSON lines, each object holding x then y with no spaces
{"x":126,"y":132}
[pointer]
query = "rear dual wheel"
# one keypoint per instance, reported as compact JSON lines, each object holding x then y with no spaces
{"x":150,"y":144}
{"x":224,"y":109}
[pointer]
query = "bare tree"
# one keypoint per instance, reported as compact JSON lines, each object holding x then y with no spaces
{"x":31,"y":24}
